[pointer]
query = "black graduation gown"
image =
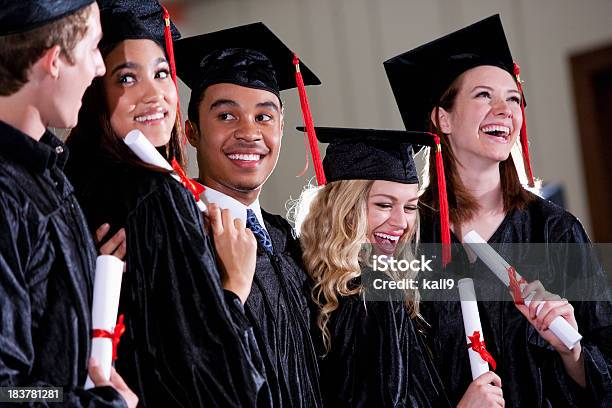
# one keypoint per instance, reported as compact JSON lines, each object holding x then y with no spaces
{"x":532,"y":372}
{"x":378,"y":358}
{"x":182,"y":347}
{"x":281,"y":313}
{"x":46,"y":273}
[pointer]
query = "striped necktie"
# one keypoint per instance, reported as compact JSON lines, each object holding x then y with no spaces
{"x":260,"y":233}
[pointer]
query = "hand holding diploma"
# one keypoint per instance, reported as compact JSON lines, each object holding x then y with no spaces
{"x":477,"y":352}
{"x":107,"y":287}
{"x":550,"y":310}
{"x":485,"y":390}
{"x":116,"y":245}
{"x":543,"y":309}
{"x":237,"y":250}
{"x":146,"y":152}
{"x":97,"y":376}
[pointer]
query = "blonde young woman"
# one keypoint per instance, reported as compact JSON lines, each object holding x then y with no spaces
{"x":374,"y":355}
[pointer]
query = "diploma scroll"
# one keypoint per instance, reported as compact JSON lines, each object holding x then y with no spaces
{"x":498,"y":265}
{"x":146,"y":152}
{"x":471,"y":324}
{"x":107,"y":288}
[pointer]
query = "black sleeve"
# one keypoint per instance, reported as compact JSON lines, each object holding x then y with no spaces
{"x":181,"y":347}
{"x":25,"y":255}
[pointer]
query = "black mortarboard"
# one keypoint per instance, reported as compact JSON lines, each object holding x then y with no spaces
{"x":420,"y":76}
{"x":18,"y":16}
{"x":250,"y":55}
{"x":371,"y":154}
{"x":132,"y":20}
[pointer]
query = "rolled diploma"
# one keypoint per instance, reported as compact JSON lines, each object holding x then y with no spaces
{"x":498,"y":265}
{"x":146,"y":152}
{"x":471,"y":323}
{"x":107,"y":287}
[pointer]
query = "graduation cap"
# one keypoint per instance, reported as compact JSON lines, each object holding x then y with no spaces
{"x":419,"y":77}
{"x":133,"y":20}
{"x":251,"y":56}
{"x":21,"y":16}
{"x":373,"y":154}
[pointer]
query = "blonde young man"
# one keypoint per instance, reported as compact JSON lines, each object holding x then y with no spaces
{"x":48,"y":57}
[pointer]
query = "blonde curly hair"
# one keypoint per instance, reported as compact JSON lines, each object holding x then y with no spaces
{"x":332,"y":235}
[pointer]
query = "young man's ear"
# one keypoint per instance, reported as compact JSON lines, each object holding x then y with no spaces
{"x":192,"y":133}
{"x":50,"y":61}
{"x":443,"y":120}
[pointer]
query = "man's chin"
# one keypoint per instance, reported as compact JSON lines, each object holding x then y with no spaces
{"x":247,"y":188}
{"x":244,"y":187}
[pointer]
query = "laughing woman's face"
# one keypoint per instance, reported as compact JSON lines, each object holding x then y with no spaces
{"x":486,"y":117}
{"x":392,"y":212}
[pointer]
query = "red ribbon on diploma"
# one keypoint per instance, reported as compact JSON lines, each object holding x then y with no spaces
{"x":515,"y":286}
{"x":195,"y":188}
{"x":479,"y":346}
{"x":114,"y":336}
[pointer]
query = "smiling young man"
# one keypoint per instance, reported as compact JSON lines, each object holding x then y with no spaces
{"x":236,"y":124}
{"x":243,"y":128}
{"x":48,"y":57}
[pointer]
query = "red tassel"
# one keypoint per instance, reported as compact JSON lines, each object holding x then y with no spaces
{"x":169,"y":45}
{"x":170,"y":49}
{"x":443,"y":201}
{"x":308,"y":124}
{"x":523,"y":135}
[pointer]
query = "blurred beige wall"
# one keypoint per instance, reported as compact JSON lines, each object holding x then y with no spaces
{"x":346,"y":41}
